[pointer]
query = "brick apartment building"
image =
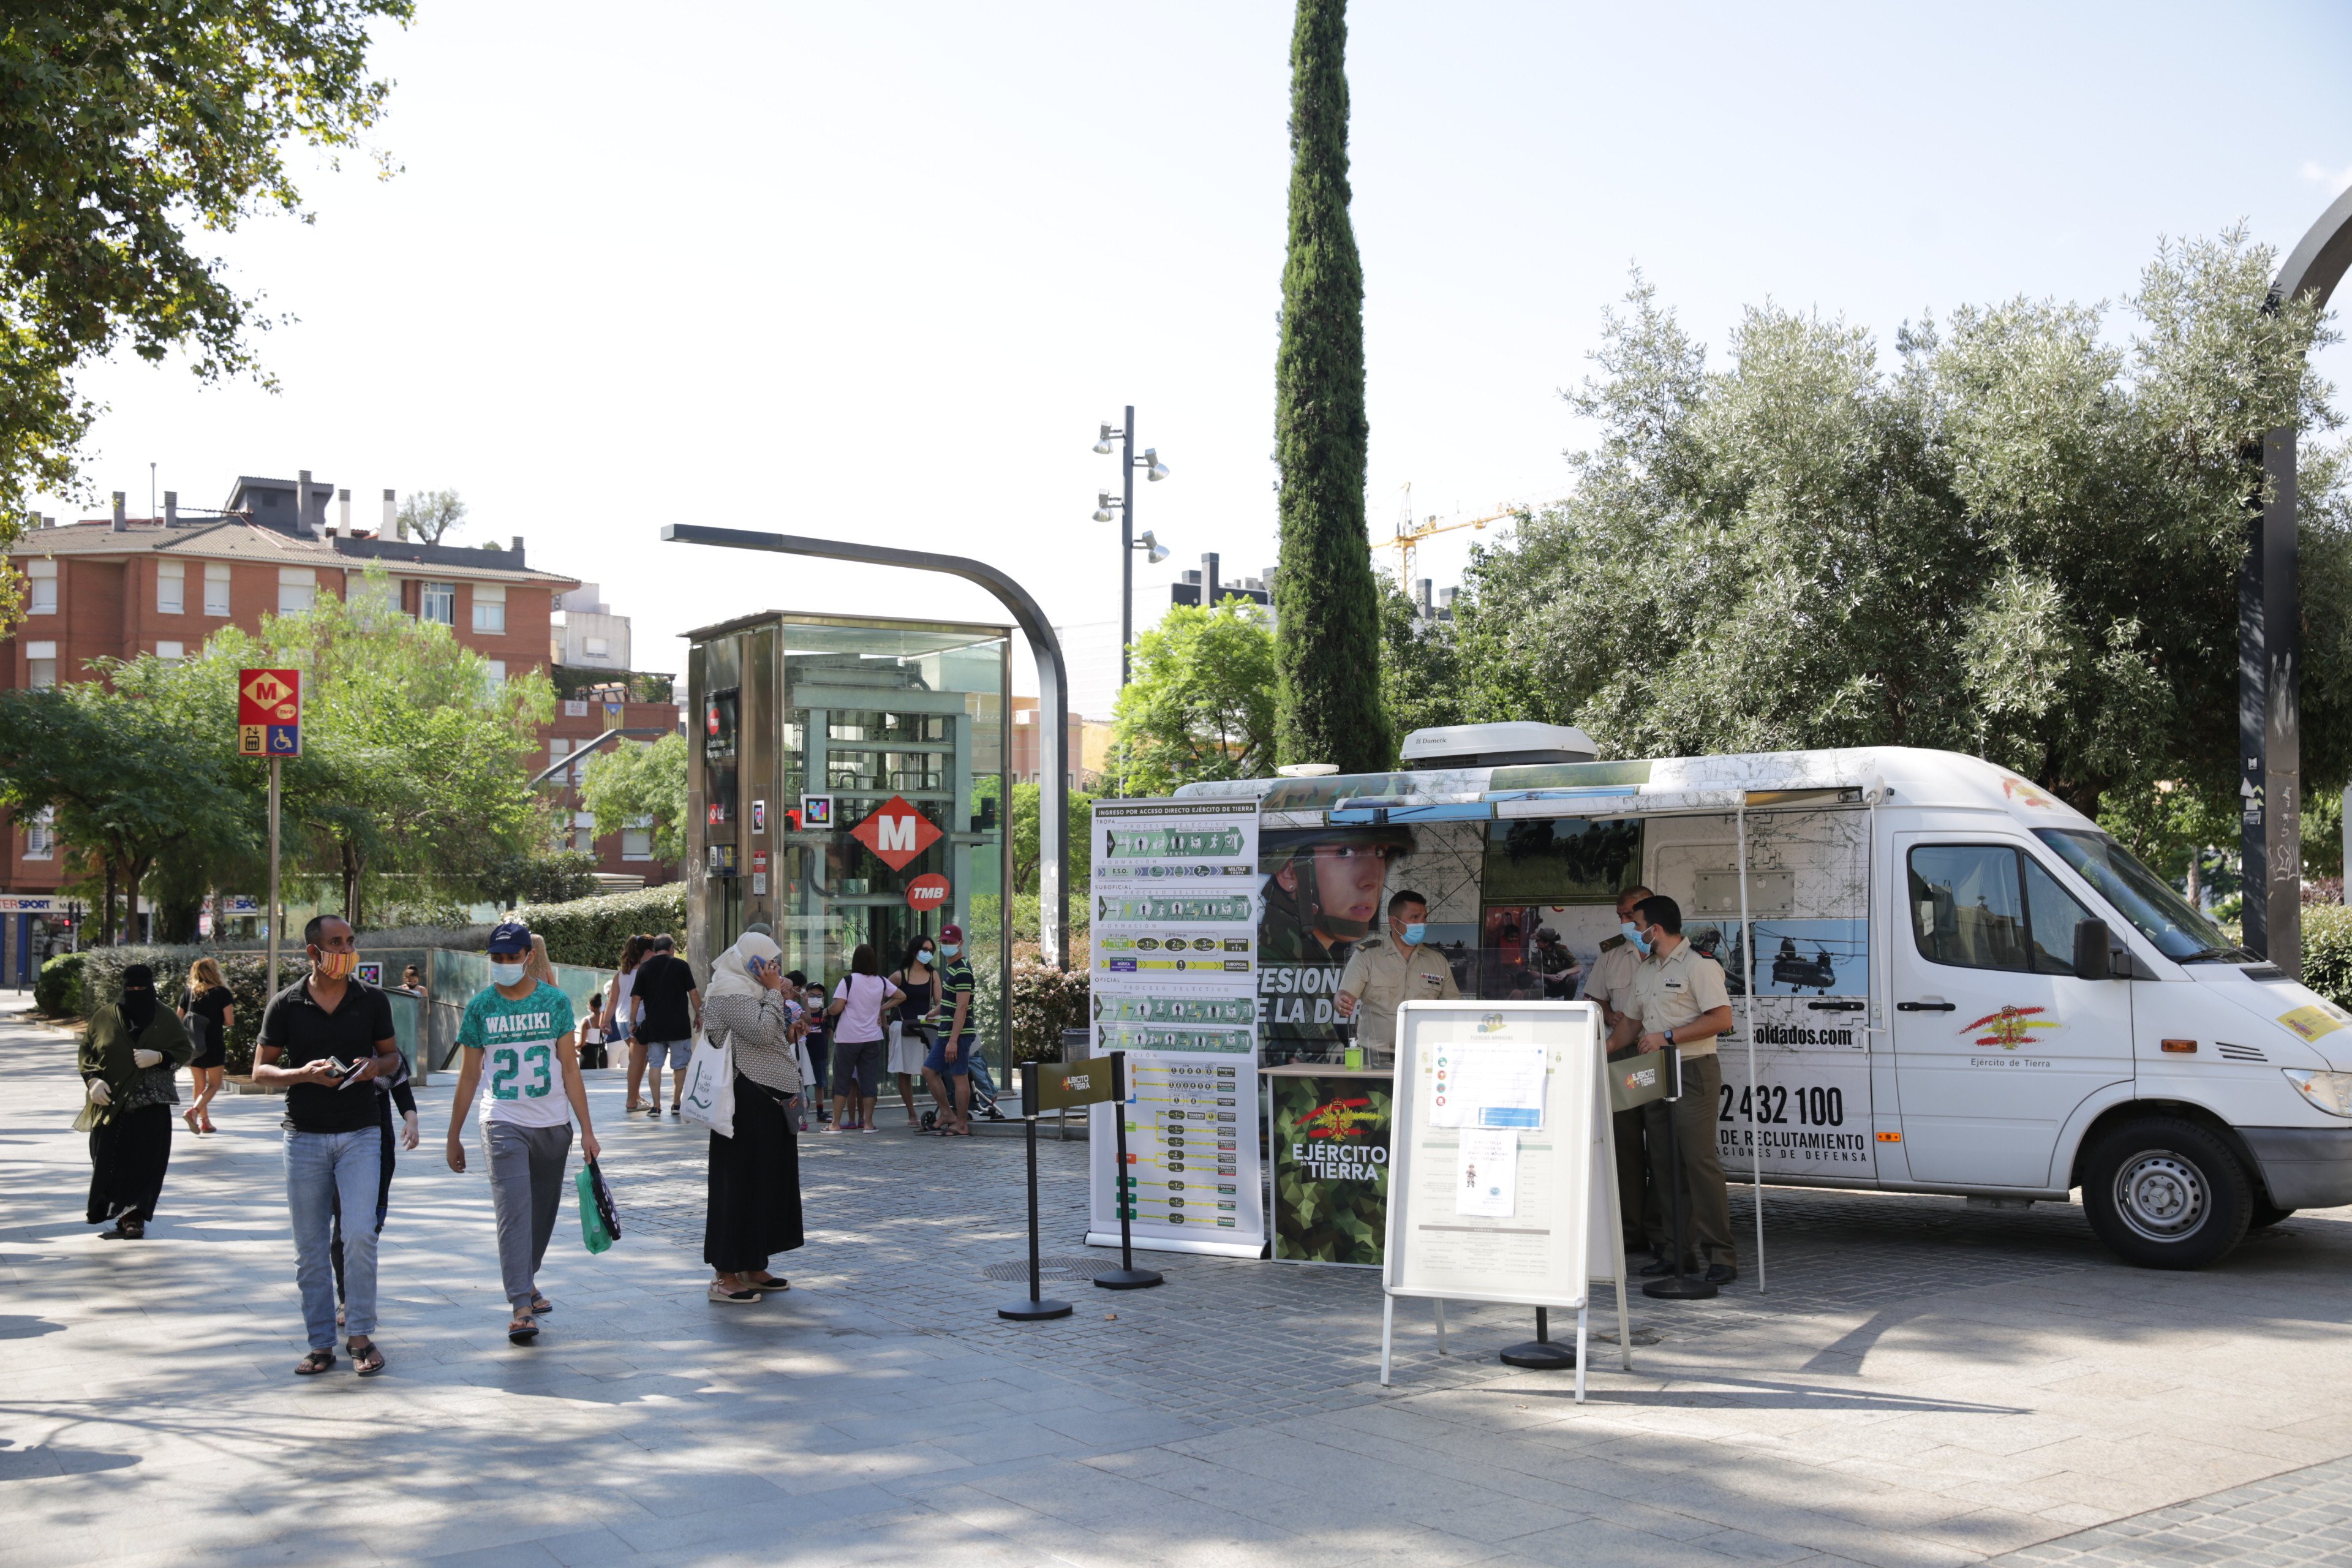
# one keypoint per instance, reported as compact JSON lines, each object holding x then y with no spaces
{"x":120,"y":587}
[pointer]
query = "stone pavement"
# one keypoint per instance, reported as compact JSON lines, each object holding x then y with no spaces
{"x":1923,"y":1384}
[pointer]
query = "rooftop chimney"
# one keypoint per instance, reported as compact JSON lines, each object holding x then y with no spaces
{"x":1208,"y":579}
{"x":122,"y":523}
{"x":171,"y":508}
{"x":518,"y":549}
{"x":344,"y":513}
{"x":1421,"y":598}
{"x":393,"y":527}
{"x":302,"y":505}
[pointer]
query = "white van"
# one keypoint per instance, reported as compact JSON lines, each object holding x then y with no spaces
{"x":1960,"y":986}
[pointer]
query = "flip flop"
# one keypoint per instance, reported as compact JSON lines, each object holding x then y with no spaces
{"x":367,"y":1362}
{"x":521,"y":1328}
{"x":541,"y":1304}
{"x":314,"y":1363}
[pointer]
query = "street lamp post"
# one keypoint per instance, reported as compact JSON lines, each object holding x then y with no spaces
{"x":1154,"y":470}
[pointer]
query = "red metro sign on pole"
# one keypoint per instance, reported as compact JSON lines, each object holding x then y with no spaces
{"x":896,"y":833}
{"x":269,"y":712}
{"x":926,"y":892}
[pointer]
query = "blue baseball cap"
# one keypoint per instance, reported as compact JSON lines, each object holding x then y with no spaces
{"x":511,"y":936}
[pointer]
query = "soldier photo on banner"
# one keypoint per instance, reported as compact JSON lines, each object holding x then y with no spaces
{"x":1325,"y":891}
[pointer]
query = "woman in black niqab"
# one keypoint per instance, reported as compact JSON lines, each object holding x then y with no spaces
{"x":129,"y":1060}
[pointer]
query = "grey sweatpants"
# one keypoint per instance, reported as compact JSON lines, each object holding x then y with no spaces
{"x":526,"y":1191}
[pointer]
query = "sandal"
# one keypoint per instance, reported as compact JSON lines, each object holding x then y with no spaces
{"x":190,"y":1118}
{"x":541,"y":1304}
{"x":521,"y":1328}
{"x":366,"y":1361}
{"x":773,"y":1282}
{"x":314,"y":1363}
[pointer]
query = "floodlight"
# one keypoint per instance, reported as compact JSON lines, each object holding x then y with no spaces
{"x":1103,"y":445}
{"x":1154,"y":469}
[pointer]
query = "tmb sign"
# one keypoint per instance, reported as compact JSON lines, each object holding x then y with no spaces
{"x":896,"y":833}
{"x":269,"y":712}
{"x":926,"y":892}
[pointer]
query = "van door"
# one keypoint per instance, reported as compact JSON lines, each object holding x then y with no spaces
{"x":1996,"y":1042}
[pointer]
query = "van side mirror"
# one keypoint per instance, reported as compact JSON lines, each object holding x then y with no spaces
{"x":2092,"y":959}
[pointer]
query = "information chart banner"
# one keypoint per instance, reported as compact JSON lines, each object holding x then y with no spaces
{"x":1174,"y":984}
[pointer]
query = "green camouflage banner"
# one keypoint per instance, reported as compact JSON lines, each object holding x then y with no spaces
{"x":1330,"y":1168}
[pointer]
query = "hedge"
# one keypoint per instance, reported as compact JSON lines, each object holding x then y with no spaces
{"x":593,"y":931}
{"x":247,"y":974}
{"x":1045,"y":1001}
{"x":2327,"y":952}
{"x":56,"y":990}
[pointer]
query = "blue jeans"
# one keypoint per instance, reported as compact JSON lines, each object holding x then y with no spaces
{"x":321,"y":1169}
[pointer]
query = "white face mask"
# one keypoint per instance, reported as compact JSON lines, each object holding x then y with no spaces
{"x":505,"y":974}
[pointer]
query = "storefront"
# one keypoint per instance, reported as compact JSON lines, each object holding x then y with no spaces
{"x":848,"y":784}
{"x":34,"y":928}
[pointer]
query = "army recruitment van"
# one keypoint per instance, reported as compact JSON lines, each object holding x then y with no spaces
{"x":1946,"y":979}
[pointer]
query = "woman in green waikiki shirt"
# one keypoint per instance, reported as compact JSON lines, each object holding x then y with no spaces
{"x":522,"y":1027}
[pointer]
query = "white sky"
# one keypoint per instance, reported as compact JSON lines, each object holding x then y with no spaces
{"x":878,"y":273}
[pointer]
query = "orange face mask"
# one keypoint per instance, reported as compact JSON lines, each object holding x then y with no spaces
{"x":335,"y":965}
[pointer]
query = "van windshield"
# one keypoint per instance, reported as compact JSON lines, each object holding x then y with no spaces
{"x":2181,"y":932}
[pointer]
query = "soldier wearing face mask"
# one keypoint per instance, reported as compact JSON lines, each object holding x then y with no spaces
{"x":1639,"y":1214}
{"x":1391,"y":966}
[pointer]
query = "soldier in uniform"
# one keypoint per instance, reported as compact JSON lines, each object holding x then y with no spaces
{"x":1322,"y":895}
{"x":1680,"y":1000}
{"x":1639,"y":1214}
{"x":1389,"y":967}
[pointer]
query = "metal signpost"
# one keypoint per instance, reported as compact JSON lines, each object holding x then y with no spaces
{"x":269,"y":724}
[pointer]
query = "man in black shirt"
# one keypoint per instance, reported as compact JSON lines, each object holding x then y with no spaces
{"x":665,"y":984}
{"x":324,"y":1039}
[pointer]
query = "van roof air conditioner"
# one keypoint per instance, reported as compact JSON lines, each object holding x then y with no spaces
{"x":1497,"y":745}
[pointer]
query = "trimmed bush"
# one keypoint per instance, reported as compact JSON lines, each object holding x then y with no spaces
{"x":247,"y":974}
{"x":56,"y":990}
{"x":1045,"y":1001}
{"x":2327,"y":952}
{"x":592,"y":931}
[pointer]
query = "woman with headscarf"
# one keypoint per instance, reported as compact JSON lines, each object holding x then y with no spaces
{"x":755,"y":1175}
{"x":130,"y":1056}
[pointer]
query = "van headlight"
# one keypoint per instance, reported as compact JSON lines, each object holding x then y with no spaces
{"x":2331,"y":1091}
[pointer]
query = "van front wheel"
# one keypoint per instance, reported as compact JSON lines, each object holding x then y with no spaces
{"x":2165,"y":1194}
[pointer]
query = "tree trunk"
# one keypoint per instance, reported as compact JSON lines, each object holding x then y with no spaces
{"x":351,"y":883}
{"x":105,"y":923}
{"x":138,"y":874}
{"x":1328,"y":646}
{"x":2196,"y":874}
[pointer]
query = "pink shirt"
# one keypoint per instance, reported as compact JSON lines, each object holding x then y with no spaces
{"x":861,"y":1013}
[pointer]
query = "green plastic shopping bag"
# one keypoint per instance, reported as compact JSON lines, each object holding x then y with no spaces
{"x":598,"y":1224}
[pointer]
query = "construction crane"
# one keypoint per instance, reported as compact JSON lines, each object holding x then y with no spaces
{"x":1410,"y":533}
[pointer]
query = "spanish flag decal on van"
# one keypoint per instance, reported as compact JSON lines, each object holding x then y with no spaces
{"x":2011,"y":1027}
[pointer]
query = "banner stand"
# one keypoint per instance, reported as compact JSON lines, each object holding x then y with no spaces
{"x":1570,"y":1235}
{"x":1036,"y":1307}
{"x":1127,"y":1276}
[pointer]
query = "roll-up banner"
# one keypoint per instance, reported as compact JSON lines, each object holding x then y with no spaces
{"x":1174,"y":984}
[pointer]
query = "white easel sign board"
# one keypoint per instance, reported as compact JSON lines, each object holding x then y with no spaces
{"x":1501,"y":1174}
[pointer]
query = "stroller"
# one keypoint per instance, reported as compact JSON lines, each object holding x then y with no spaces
{"x":984,"y":1095}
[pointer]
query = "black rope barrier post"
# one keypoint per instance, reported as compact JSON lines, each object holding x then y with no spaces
{"x":1127,"y":1276}
{"x":1036,"y":1306}
{"x":1679,"y":1286}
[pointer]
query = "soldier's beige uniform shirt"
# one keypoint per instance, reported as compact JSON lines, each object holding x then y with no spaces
{"x":1612,"y":980}
{"x":1671,"y":991}
{"x":1379,"y":974}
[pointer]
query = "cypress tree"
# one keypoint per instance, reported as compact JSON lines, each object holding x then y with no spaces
{"x":1328,"y":657}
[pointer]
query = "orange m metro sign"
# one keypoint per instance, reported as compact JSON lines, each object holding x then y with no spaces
{"x":896,"y":833}
{"x":269,"y":712}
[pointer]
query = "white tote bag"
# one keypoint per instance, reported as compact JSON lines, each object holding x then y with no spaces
{"x":709,"y":1094}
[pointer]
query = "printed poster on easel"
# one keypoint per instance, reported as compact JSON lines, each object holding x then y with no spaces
{"x":1502,"y":1179}
{"x":1174,"y":981}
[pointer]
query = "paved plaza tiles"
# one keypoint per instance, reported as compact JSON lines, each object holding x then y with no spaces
{"x":1923,"y":1384}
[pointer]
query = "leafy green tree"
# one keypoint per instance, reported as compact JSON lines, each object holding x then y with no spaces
{"x":1025,"y":840}
{"x":432,"y":515}
{"x":1329,"y":663}
{"x":118,"y":774}
{"x":126,"y":128}
{"x":1202,"y":702}
{"x":2020,"y":540}
{"x":413,"y":759}
{"x":1421,"y":672}
{"x":639,"y":782}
